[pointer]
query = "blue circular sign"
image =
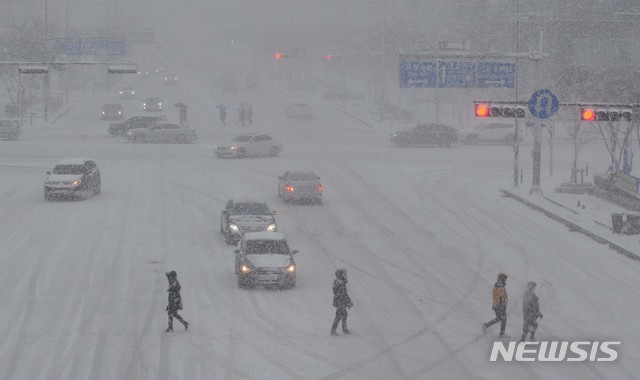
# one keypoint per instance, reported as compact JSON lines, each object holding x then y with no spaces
{"x":543,"y":104}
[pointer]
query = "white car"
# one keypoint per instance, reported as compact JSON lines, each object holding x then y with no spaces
{"x":250,"y":144}
{"x":162,"y":132}
{"x":264,"y":258}
{"x":503,"y":133}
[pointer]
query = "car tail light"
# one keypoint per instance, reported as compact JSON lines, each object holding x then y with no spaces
{"x":319,"y":188}
{"x":289,"y":189}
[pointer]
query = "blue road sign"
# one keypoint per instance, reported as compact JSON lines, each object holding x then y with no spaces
{"x":418,"y":74}
{"x":457,"y":74}
{"x":93,"y":46}
{"x":496,"y":74}
{"x":543,"y":104}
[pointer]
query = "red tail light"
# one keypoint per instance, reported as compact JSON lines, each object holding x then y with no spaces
{"x":289,"y":189}
{"x":319,"y":188}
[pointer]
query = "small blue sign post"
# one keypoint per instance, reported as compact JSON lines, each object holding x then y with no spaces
{"x":543,"y":104}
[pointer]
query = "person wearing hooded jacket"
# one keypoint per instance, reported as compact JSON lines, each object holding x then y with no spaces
{"x":530,"y":311}
{"x":500,"y":300}
{"x":341,"y":301}
{"x":175,"y":301}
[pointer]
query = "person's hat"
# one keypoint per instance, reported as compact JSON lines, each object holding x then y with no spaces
{"x":502,"y":276}
{"x":531,"y":285}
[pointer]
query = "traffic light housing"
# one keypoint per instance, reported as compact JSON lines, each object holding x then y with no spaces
{"x":605,"y":114}
{"x":499,"y":110}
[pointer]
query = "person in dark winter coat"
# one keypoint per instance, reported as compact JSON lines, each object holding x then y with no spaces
{"x":530,"y":311}
{"x":341,"y":301}
{"x":175,"y":301}
{"x":500,"y":300}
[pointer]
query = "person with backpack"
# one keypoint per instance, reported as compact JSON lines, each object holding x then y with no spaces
{"x":530,"y":311}
{"x":341,"y":301}
{"x":175,"y":301}
{"x":500,"y":300}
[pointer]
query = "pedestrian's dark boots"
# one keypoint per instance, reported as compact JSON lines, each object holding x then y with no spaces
{"x":169,"y":329}
{"x":333,"y":332}
{"x":346,"y":332}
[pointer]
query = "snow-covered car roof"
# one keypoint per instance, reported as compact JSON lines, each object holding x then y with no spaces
{"x":72,"y":161}
{"x":264,"y":236}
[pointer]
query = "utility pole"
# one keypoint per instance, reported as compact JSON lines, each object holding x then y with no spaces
{"x":516,"y":143}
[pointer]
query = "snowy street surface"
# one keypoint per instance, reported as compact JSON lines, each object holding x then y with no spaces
{"x":423,"y":232}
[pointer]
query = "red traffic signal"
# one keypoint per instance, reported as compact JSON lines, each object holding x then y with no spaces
{"x":605,"y":114}
{"x":482,"y":110}
{"x":278,"y":55}
{"x":497,"y":110}
{"x":587,"y":114}
{"x":329,"y":56}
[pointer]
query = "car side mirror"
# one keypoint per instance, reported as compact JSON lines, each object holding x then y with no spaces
{"x":294,"y":251}
{"x":236,"y":251}
{"x":49,"y":172}
{"x":274,"y":212}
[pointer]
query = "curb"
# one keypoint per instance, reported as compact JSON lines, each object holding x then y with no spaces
{"x":356,"y":118}
{"x":61,"y":115}
{"x":574,"y":227}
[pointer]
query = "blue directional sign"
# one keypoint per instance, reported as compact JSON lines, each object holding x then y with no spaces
{"x":457,"y":74}
{"x":543,"y":104}
{"x":418,"y":74}
{"x":496,"y":74}
{"x":93,"y":46}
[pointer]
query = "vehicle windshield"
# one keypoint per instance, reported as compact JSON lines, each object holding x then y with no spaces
{"x":242,"y":138}
{"x":250,"y":209}
{"x":303,"y":176}
{"x":68,"y":169}
{"x":259,"y":247}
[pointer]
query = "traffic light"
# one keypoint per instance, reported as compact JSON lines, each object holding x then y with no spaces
{"x":278,"y":55}
{"x":605,"y":114}
{"x":499,"y":110}
{"x":329,"y":56}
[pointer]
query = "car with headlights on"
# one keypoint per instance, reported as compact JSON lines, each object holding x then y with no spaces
{"x":171,"y":78}
{"x":301,"y":186}
{"x":127,"y":93}
{"x":152,"y":104}
{"x":162,"y":133}
{"x":247,"y":215}
{"x":426,"y":134}
{"x":112,"y":112}
{"x":501,"y":133}
{"x":250,"y":144}
{"x":264,"y":258}
{"x":72,"y":178}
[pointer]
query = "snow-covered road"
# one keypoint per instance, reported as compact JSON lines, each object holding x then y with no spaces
{"x":422,"y":232}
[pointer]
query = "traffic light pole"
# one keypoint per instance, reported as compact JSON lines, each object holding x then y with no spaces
{"x":537,"y":137}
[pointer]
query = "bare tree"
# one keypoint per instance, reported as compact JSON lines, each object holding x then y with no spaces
{"x":616,"y":136}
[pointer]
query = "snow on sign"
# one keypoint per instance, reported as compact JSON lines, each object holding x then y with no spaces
{"x":496,"y":74}
{"x":457,"y":74}
{"x":418,"y":74}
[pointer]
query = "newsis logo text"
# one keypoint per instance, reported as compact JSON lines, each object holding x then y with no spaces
{"x":554,"y":351}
